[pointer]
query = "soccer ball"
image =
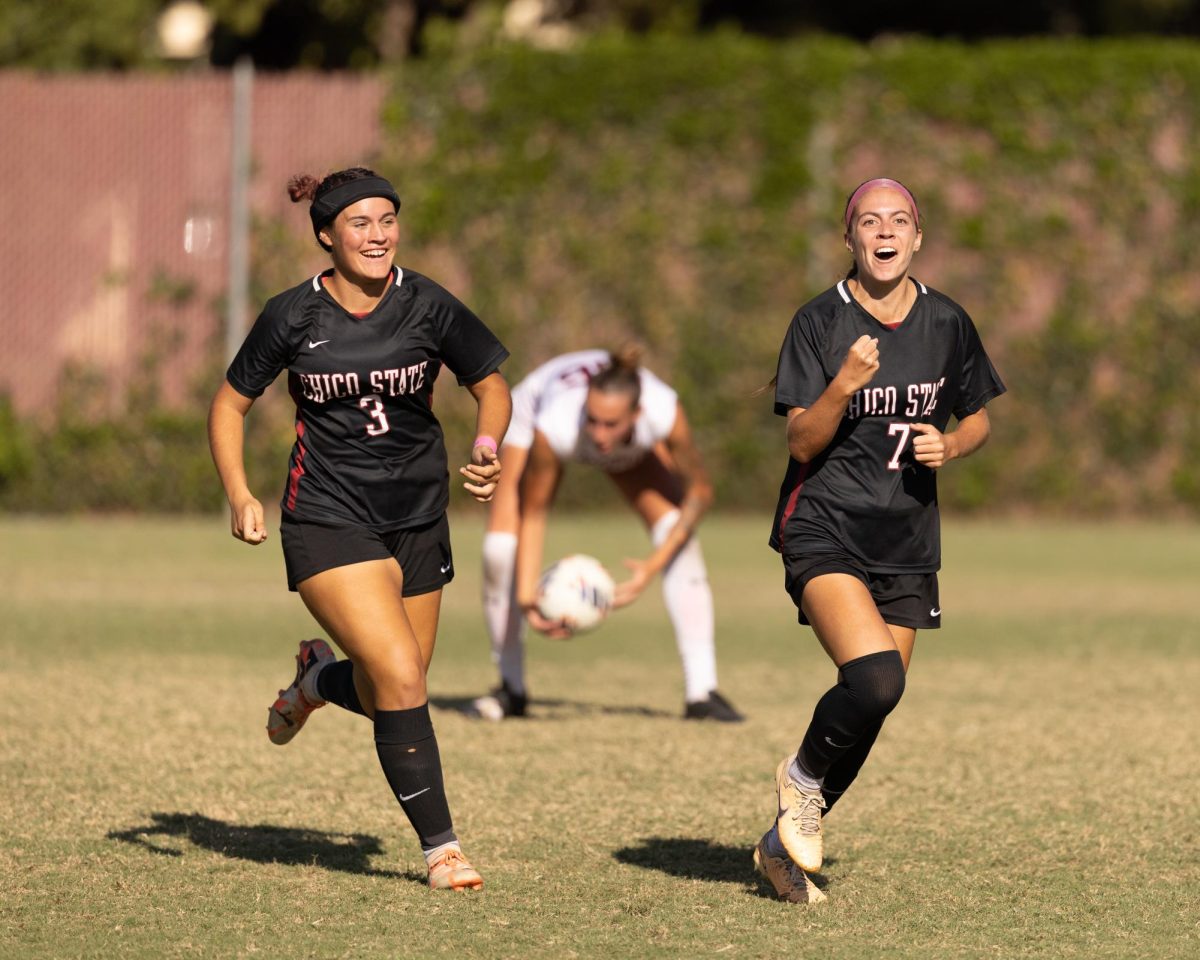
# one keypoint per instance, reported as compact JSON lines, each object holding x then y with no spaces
{"x":577,"y":590}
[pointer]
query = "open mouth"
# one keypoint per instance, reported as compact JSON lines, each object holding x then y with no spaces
{"x":885,"y":254}
{"x":374,"y":254}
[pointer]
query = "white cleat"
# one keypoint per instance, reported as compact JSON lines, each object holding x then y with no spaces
{"x":799,"y":820}
{"x":791,"y":883}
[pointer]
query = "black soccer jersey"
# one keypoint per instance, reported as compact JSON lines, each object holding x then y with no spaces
{"x":368,"y":450}
{"x":865,"y":495}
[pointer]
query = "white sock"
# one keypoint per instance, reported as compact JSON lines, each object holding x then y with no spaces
{"x":805,"y":779}
{"x":773,"y":844}
{"x":308,"y":683}
{"x":433,"y":852}
{"x":690,"y":607}
{"x":505,"y":624}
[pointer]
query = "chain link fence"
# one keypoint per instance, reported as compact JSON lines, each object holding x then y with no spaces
{"x":117,"y":219}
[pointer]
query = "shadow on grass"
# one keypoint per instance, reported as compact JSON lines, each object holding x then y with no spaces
{"x":263,"y":843}
{"x":694,"y":859}
{"x":550,"y":709}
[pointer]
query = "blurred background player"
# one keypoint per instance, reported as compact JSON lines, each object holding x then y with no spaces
{"x":869,"y":374}
{"x":601,"y":409}
{"x":364,"y":530}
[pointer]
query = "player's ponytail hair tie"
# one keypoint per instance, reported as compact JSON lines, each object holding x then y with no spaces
{"x":621,"y":374}
{"x":881,"y":182}
{"x":338,"y":191}
{"x":628,"y":355}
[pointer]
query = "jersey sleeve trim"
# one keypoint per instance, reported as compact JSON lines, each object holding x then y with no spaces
{"x":981,"y":402}
{"x":783,"y":405}
{"x":241,"y":388}
{"x":484,"y":369}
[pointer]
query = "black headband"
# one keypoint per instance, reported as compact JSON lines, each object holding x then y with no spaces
{"x":332,"y":202}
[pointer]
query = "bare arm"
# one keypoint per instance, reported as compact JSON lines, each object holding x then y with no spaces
{"x":810,"y":429}
{"x":935,"y":449}
{"x":495,"y":409}
{"x":697,"y":498}
{"x":226,"y":430}
{"x":539,"y":483}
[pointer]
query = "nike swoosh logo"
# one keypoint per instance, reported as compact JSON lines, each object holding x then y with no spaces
{"x":935,"y":612}
{"x":411,"y":795}
{"x":313,"y":344}
{"x":839,"y":746}
{"x":446,"y":568}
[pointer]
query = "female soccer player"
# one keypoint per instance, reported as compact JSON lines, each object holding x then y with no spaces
{"x":604,"y":410}
{"x":365,"y":538}
{"x":869,"y":374}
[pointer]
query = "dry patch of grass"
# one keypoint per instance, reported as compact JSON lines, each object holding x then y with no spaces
{"x":1034,"y":795}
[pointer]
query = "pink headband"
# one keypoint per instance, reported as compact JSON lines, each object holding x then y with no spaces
{"x":881,"y":182}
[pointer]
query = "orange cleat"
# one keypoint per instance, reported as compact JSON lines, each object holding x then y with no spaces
{"x":450,"y":871}
{"x":288,"y":713}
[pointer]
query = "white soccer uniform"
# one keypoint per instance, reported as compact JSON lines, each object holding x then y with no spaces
{"x":551,"y":400}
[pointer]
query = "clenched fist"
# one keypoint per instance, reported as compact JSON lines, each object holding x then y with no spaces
{"x":861,"y":363}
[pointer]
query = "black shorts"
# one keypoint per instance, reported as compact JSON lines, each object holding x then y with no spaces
{"x":903,"y":599}
{"x":422,"y":552}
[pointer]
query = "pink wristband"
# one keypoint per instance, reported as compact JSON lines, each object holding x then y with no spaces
{"x":483,"y":440}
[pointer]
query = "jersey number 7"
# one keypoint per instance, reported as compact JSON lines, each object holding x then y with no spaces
{"x":905,"y":431}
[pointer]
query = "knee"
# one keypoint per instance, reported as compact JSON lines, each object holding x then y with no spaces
{"x":397,"y":682}
{"x":876,"y":681}
{"x":499,"y":557}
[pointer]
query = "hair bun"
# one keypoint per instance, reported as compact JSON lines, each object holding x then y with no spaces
{"x":302,"y":187}
{"x":628,"y":356}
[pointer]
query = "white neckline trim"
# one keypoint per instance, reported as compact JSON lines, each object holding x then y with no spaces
{"x":316,"y":281}
{"x":841,"y":288}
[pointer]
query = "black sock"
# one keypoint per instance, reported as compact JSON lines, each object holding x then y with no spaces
{"x":408,"y":753}
{"x":843,"y":771}
{"x":335,"y":683}
{"x":870,"y":688}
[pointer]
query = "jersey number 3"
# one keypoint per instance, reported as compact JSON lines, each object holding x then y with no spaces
{"x":376,"y":413}
{"x":905,"y":431}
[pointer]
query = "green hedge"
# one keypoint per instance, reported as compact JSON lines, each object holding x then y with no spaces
{"x":688,"y":191}
{"x":142,"y":457}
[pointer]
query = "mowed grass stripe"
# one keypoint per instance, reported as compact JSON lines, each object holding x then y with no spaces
{"x":1033,"y":796}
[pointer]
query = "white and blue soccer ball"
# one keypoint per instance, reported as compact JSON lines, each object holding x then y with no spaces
{"x":577,"y":590}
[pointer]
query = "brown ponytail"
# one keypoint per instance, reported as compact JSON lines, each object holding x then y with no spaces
{"x":302,"y":187}
{"x":769,"y":385}
{"x":622,"y":373}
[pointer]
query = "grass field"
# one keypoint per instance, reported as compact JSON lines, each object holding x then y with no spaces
{"x":1036,"y":794}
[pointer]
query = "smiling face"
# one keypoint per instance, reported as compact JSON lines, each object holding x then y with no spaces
{"x":883,"y":235}
{"x":609,"y":418}
{"x":364,"y":238}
